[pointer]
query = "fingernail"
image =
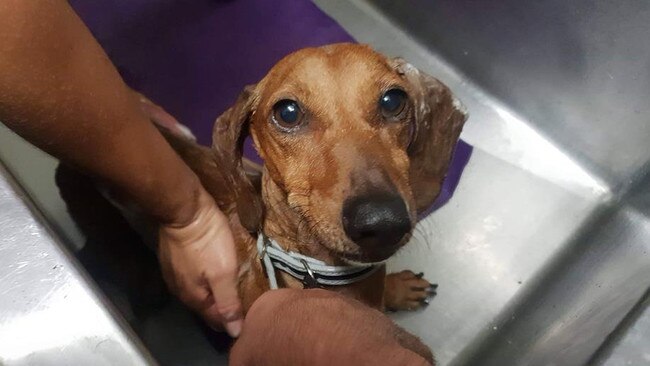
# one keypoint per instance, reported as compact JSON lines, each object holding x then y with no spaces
{"x":234,"y":328}
{"x":419,"y":275}
{"x":424,"y":302}
{"x":231,"y":316}
{"x":186,"y":131}
{"x":433,"y":286}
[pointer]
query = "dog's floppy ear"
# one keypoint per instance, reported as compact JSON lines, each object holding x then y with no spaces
{"x":439,"y":118}
{"x":229,"y":133}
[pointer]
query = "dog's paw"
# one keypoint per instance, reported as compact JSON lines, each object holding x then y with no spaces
{"x":407,"y":291}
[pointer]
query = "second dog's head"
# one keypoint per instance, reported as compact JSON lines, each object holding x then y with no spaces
{"x":358,"y":143}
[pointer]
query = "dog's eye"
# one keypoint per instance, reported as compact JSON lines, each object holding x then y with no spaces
{"x":287,"y":113}
{"x":392,"y":103}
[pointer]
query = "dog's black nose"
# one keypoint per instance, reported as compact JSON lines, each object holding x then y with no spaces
{"x":376,"y":220}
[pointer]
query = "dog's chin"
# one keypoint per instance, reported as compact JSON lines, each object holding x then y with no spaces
{"x":352,"y":254}
{"x":374,"y":255}
{"x":362,"y":257}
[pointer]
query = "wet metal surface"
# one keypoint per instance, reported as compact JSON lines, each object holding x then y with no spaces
{"x":630,"y":347}
{"x":49,"y":314}
{"x":542,"y":251}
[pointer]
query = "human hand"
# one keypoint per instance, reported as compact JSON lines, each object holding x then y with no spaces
{"x":319,"y":327}
{"x":199,"y":264}
{"x":161,"y":118}
{"x":198,"y":258}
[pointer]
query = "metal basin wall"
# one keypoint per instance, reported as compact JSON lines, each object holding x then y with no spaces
{"x":544,"y":249}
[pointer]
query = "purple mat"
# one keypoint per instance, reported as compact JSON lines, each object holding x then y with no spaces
{"x":194,"y":57}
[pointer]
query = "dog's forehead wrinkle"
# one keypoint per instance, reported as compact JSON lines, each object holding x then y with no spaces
{"x":345,"y":72}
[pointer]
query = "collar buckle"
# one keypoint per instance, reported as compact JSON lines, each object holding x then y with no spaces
{"x":309,"y":281}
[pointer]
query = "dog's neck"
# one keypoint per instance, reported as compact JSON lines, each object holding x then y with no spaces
{"x":286,"y":226}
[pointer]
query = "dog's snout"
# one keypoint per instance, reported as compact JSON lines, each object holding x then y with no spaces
{"x":376,"y":220}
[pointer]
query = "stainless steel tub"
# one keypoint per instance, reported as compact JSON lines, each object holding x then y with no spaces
{"x":542,"y":255}
{"x":545,"y":249}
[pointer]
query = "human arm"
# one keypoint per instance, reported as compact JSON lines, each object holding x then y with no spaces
{"x":59,"y":91}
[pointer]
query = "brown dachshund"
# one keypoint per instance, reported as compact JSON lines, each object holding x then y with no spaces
{"x":354,"y":144}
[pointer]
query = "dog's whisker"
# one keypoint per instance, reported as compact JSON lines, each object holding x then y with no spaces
{"x":425,"y":233}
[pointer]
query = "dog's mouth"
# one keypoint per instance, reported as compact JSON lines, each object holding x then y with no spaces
{"x":371,"y":230}
{"x":367,"y":258}
{"x":364,"y":256}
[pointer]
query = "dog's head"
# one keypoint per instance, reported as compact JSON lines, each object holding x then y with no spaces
{"x":357,"y":142}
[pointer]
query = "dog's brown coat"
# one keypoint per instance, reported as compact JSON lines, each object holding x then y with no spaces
{"x":343,"y":147}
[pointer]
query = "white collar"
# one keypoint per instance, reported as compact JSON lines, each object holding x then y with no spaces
{"x":310,"y":271}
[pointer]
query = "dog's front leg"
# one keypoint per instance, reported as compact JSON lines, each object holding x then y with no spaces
{"x":407,"y":291}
